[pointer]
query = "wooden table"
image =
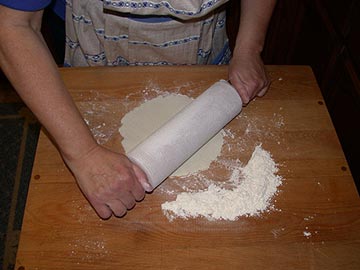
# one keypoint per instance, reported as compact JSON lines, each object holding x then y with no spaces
{"x":316,"y":226}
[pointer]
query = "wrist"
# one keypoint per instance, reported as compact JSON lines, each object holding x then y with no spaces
{"x":78,"y":150}
{"x":249,"y":48}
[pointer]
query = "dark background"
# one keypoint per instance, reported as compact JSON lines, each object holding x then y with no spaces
{"x":325,"y":35}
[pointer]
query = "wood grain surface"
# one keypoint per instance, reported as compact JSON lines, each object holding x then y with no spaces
{"x":318,"y":195}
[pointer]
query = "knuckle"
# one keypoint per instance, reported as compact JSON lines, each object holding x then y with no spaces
{"x":127,"y":176}
{"x":115,"y":185}
{"x":101,"y":194}
{"x":254,"y":84}
{"x":264,"y":83}
{"x":96,"y":196}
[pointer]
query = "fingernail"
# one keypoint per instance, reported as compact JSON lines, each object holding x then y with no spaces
{"x":147,"y":187}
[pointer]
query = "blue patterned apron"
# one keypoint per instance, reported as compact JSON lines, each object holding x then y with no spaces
{"x":112,"y":33}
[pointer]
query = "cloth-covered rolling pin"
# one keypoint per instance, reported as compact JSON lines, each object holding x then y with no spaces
{"x":171,"y":145}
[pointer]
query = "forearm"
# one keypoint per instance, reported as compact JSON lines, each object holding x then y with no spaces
{"x":28,"y":64}
{"x":254,"y":20}
{"x":247,"y":72}
{"x":110,"y":182}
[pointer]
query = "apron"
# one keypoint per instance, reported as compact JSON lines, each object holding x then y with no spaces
{"x":113,"y":33}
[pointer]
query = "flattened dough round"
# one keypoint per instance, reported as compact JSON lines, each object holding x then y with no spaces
{"x":142,"y":121}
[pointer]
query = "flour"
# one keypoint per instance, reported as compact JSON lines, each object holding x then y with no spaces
{"x":101,"y":114}
{"x":251,"y":189}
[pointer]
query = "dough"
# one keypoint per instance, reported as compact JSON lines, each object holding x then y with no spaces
{"x":142,"y":121}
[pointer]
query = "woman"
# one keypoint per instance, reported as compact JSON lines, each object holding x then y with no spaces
{"x":122,"y":33}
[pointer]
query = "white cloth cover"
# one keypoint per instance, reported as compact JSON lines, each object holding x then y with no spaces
{"x":177,"y":140}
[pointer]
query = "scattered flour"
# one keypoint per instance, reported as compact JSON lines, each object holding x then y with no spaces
{"x":251,"y":191}
{"x":247,"y":192}
{"x":307,"y":234}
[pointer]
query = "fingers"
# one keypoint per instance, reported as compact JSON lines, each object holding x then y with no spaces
{"x":263,"y":91}
{"x":127,"y":199}
{"x":118,"y":209}
{"x":250,"y":88}
{"x":138,"y":191}
{"x":123,"y":191}
{"x":110,"y":182}
{"x":102,"y":210}
{"x":118,"y":206}
{"x":248,"y":75}
{"x":142,"y":178}
{"x":242,"y":90}
{"x":124,"y":194}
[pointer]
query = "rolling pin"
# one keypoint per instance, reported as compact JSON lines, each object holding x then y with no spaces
{"x":172,"y":144}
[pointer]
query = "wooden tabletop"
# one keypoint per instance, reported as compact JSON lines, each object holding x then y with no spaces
{"x":316,"y":224}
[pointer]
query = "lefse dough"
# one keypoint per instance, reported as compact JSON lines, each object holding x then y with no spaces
{"x":142,"y":121}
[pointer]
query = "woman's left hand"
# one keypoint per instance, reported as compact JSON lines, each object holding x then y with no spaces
{"x":248,"y":75}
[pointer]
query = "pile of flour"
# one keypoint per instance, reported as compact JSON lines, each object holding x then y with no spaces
{"x":252,"y":188}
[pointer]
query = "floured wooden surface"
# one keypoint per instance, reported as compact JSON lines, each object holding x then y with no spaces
{"x":198,"y":176}
{"x":317,"y":227}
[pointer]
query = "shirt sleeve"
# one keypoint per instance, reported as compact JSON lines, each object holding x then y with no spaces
{"x":27,"y":5}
